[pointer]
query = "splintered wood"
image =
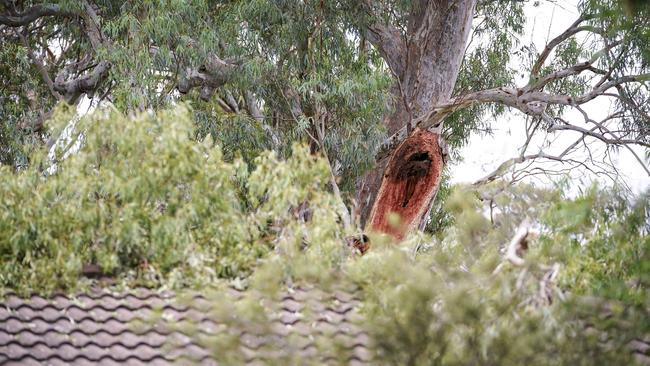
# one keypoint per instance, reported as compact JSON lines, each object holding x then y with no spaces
{"x":410,"y":182}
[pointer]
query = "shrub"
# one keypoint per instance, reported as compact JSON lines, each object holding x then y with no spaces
{"x":149,"y":205}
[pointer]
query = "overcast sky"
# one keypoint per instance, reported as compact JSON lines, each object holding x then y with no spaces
{"x":484,"y":153}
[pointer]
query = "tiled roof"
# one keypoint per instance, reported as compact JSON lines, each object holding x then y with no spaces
{"x":160,"y":328}
{"x":297,"y":326}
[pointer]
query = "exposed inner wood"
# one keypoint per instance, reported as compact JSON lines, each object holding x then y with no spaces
{"x":417,"y":166}
{"x":409,"y":184}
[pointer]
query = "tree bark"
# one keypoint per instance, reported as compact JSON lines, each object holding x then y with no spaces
{"x":425,"y":73}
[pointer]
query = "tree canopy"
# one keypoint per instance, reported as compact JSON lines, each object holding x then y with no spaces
{"x":263,"y":74}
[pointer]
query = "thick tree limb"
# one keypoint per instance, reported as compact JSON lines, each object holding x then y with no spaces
{"x":256,"y":113}
{"x":531,"y":102}
{"x":521,"y":98}
{"x":518,"y":244}
{"x":88,"y":82}
{"x":31,"y":14}
{"x":387,"y":39}
{"x":213,"y":74}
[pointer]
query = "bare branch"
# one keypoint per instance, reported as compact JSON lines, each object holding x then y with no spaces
{"x":254,"y":111}
{"x":603,"y":138}
{"x":573,"y":29}
{"x":506,"y":165}
{"x":215,"y":73}
{"x":605,"y":133}
{"x":570,"y":71}
{"x":517,"y":246}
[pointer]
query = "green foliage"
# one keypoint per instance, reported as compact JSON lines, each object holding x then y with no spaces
{"x":627,"y":18}
{"x":21,"y":95}
{"x":238,"y":135}
{"x":456,"y":301}
{"x":308,"y":47}
{"x":311,"y":48}
{"x":150,"y":205}
{"x":439,"y":217}
{"x":450,"y":304}
{"x":607,"y":237}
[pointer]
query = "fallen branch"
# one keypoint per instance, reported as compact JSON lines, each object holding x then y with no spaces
{"x":546,"y":284}
{"x":518,"y":245}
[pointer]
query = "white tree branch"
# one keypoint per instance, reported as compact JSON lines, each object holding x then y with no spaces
{"x":572,"y":30}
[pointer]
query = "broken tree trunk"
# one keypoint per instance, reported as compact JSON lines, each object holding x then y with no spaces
{"x":425,"y":59}
{"x":410,"y":183}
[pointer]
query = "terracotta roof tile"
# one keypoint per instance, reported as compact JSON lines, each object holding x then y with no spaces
{"x":145,"y":327}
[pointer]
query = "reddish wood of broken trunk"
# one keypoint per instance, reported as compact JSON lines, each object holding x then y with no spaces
{"x":409,"y":184}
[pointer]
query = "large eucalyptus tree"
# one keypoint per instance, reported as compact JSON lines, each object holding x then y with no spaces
{"x":376,"y":86}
